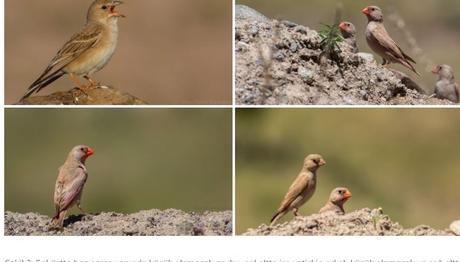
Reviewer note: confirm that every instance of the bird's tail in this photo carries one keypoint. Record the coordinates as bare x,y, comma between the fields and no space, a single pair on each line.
410,66
276,217
41,83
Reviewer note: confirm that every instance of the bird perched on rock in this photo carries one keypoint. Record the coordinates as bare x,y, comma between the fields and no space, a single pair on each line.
87,51
380,41
70,182
336,200
446,88
302,188
348,31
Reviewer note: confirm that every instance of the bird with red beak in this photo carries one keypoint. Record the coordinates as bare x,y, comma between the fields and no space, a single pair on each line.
69,184
380,41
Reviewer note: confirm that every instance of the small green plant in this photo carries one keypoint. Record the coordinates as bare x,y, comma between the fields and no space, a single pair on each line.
330,39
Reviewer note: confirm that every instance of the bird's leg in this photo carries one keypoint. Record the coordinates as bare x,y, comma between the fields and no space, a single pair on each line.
91,81
80,87
81,209
296,212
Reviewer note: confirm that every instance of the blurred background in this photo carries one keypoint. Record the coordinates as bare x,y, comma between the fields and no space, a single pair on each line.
403,160
143,158
427,30
169,52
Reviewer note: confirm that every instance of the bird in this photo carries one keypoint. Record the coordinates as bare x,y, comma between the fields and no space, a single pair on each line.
337,198
348,31
380,41
87,51
70,182
446,88
302,189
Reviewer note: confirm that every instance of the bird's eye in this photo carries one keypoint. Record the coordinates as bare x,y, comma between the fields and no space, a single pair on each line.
372,9
104,7
340,192
82,149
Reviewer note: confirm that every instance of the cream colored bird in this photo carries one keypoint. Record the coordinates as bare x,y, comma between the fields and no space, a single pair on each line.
302,189
337,199
70,182
380,41
87,51
446,88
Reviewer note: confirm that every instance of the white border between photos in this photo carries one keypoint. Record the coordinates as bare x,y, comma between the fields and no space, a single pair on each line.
222,249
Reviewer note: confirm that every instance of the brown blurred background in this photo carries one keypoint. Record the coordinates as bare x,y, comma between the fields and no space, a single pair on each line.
170,51
432,25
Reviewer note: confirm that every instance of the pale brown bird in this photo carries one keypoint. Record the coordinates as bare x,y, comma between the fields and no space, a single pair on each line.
302,189
380,41
446,88
70,182
87,51
336,200
348,31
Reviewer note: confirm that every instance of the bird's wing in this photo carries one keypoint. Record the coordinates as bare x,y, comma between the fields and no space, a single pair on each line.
299,184
78,44
71,189
383,38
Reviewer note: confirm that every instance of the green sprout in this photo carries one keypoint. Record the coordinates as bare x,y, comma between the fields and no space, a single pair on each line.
330,39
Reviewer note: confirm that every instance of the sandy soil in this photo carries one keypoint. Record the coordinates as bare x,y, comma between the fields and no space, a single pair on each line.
153,222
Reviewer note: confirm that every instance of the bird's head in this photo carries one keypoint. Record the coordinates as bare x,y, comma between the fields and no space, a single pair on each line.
347,29
81,153
373,13
103,11
340,195
443,72
313,162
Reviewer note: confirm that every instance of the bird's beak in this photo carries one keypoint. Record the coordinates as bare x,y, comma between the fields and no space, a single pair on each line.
365,11
347,194
113,12
342,26
322,162
90,151
435,70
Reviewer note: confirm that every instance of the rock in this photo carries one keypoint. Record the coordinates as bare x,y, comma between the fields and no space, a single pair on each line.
364,222
153,222
368,58
351,79
245,12
101,95
455,227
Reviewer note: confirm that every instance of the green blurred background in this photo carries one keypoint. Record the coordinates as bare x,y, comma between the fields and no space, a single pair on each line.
144,158
433,26
403,160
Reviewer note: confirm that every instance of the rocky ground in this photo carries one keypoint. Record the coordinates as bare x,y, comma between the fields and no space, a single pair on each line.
153,222
364,222
278,63
102,95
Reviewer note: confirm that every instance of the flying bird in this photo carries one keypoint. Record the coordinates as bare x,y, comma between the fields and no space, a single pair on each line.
380,41
70,182
302,189
87,52
337,199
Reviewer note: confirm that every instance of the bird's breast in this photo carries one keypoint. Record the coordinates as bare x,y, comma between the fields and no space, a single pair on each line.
95,58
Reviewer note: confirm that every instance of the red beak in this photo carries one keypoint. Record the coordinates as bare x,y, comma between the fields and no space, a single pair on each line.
347,195
89,151
365,11
342,26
